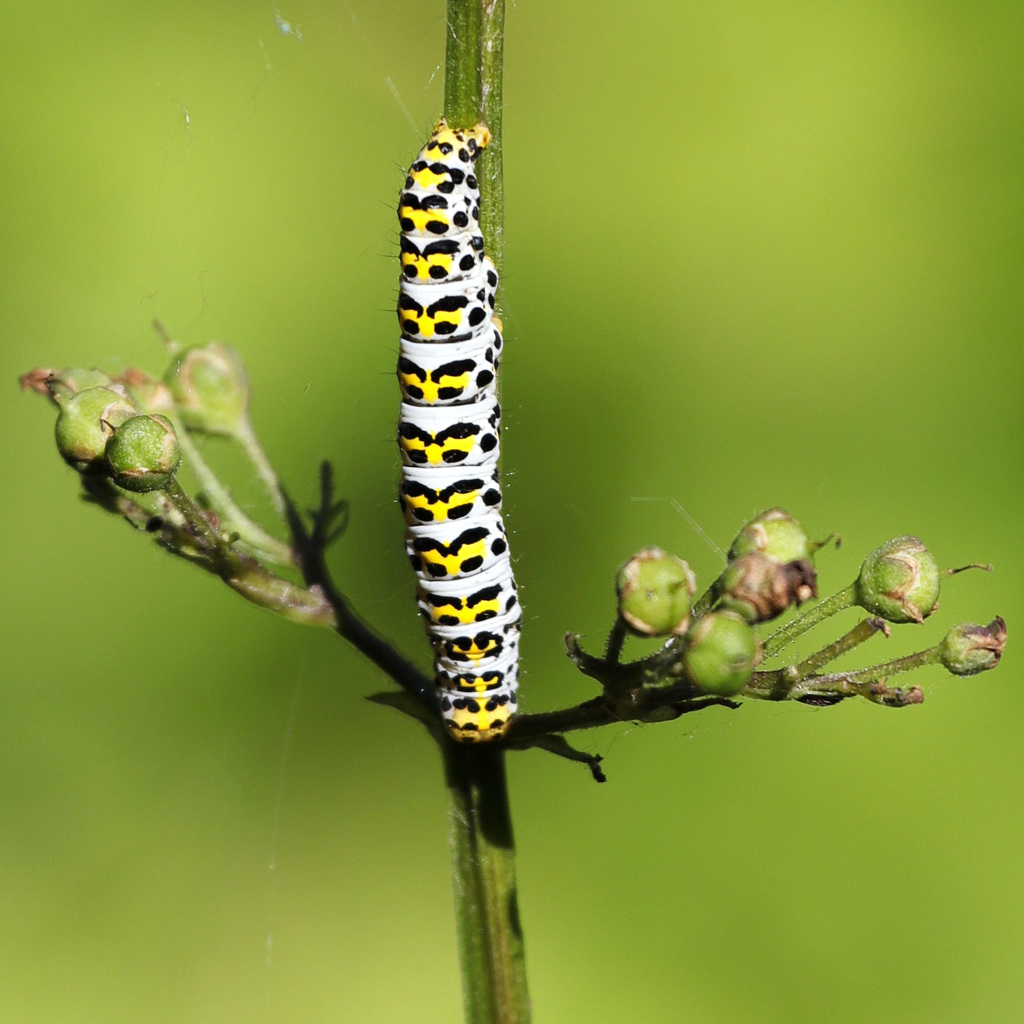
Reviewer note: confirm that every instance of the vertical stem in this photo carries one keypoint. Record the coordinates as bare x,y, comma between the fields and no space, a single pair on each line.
483,876
462,86
480,826
473,92
489,172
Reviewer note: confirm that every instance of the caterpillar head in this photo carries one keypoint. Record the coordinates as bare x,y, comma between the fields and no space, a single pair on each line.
466,143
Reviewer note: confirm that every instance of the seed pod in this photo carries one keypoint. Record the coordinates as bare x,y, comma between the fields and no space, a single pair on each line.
85,423
60,385
151,393
655,590
775,534
968,649
210,388
759,588
722,651
143,453
899,581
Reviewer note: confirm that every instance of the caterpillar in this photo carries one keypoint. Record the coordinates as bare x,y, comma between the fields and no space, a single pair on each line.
449,438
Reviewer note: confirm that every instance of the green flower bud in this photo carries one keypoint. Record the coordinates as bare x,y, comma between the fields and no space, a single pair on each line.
655,590
899,581
968,649
774,533
210,388
722,651
758,588
85,423
143,454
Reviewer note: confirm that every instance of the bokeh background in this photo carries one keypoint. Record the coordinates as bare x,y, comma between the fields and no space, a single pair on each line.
757,255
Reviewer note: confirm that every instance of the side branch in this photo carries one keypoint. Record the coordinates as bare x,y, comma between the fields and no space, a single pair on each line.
328,521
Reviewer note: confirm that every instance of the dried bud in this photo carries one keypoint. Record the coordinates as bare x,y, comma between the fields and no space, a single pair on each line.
775,534
143,454
86,421
722,651
968,648
655,590
60,385
38,380
151,394
899,581
759,588
210,388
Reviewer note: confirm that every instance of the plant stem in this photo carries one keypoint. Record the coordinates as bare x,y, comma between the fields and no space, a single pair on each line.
479,823
490,170
311,546
864,630
785,635
193,516
250,443
472,93
483,878
232,519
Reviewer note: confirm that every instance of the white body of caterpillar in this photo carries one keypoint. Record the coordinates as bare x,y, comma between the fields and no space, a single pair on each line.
448,435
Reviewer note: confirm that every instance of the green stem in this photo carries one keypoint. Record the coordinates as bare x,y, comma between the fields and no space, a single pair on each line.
616,639
479,823
232,518
787,684
785,635
864,630
707,600
483,877
250,443
490,169
473,92
861,679
267,590
193,516
243,573
462,87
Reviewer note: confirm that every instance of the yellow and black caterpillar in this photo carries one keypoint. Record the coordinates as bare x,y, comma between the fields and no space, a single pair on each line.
448,435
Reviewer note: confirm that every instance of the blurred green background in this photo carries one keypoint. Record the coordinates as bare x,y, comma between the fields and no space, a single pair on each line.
757,254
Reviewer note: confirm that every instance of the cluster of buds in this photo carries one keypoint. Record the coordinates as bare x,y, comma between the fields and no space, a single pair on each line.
714,647
103,431
125,428
769,570
128,435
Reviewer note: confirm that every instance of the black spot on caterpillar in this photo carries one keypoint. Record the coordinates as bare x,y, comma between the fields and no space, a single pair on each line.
448,436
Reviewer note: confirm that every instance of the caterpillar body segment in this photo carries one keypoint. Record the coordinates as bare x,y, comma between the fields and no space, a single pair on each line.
441,259
436,494
453,549
458,309
480,645
465,435
468,600
447,374
478,704
449,438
